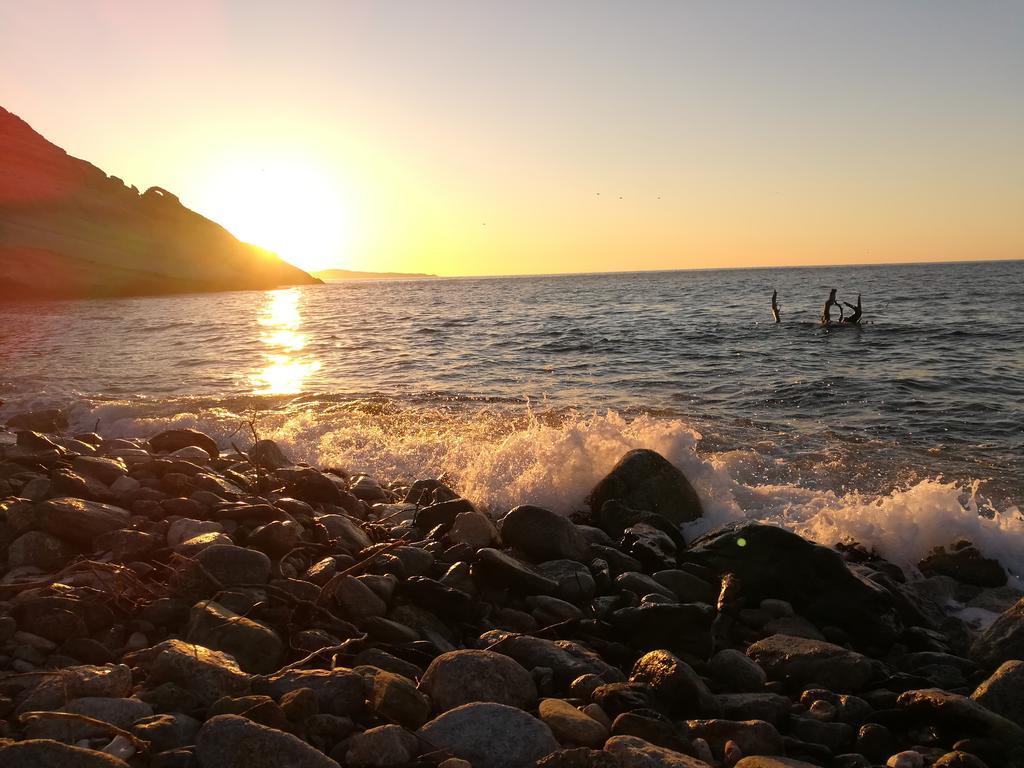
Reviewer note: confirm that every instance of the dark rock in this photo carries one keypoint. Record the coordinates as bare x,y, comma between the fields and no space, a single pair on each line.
275,539
462,677
204,672
959,759
734,672
268,454
44,753
754,737
645,480
395,698
229,741
542,534
965,564
255,646
960,714
339,691
675,685
798,661
445,601
578,757
490,735
653,547
570,725
876,742
79,520
54,691
836,736
632,752
1003,640
1003,691
771,562
103,469
575,583
506,571
49,420
38,549
654,727
443,513
169,731
680,628
770,707
381,747
687,587
260,709
171,440
617,698
567,659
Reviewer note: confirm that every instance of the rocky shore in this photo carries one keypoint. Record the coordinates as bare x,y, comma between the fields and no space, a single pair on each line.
168,603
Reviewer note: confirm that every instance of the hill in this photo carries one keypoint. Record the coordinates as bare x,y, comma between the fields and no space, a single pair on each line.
68,230
329,275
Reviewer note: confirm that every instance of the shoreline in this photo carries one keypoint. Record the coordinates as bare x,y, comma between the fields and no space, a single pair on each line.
194,599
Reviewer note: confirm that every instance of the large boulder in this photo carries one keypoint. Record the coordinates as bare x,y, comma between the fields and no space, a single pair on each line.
797,661
78,520
1003,691
960,716
771,562
645,480
490,735
461,677
47,420
206,673
542,534
1003,640
965,563
230,741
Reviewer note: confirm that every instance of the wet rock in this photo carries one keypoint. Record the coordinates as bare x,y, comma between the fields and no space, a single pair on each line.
958,759
652,546
49,420
382,747
798,661
490,735
568,660
105,470
229,741
1003,691
674,683
255,646
964,563
126,545
570,726
542,534
171,440
735,672
474,529
632,752
645,480
687,587
683,628
43,753
465,676
770,562
349,535
1003,640
206,673
268,454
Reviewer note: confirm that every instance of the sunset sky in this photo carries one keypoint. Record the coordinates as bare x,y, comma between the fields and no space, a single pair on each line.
467,138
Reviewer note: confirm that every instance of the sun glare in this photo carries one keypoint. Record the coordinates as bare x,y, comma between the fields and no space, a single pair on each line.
288,205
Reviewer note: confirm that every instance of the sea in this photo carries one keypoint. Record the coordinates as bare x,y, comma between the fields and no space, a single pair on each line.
903,433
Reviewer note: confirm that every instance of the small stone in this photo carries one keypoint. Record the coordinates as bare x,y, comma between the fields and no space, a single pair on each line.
570,726
632,752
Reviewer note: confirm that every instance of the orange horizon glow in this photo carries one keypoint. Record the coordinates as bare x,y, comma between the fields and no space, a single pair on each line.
466,139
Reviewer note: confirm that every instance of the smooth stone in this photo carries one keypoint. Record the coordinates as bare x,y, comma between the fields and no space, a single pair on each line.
645,480
339,691
568,660
576,584
358,600
1003,691
167,731
543,534
754,737
171,440
466,676
632,752
207,673
799,661
255,646
687,587
770,707
1003,640
44,753
395,698
490,735
230,741
506,570
474,529
735,672
382,747
86,681
38,549
674,683
571,726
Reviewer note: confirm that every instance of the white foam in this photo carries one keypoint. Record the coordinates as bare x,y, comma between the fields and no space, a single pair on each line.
503,457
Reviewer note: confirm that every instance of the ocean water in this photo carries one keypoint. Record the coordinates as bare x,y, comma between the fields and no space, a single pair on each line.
904,433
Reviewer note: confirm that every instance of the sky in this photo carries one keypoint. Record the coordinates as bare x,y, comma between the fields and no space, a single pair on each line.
475,138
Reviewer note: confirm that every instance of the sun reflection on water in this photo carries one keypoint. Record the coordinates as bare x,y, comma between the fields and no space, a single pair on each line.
285,371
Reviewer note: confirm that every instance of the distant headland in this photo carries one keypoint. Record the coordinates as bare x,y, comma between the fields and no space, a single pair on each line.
68,230
334,275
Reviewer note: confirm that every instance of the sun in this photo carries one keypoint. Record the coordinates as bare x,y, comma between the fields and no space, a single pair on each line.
286,203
